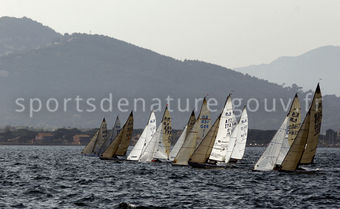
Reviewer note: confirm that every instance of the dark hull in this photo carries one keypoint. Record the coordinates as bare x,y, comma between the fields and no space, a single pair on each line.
206,165
233,160
115,159
177,165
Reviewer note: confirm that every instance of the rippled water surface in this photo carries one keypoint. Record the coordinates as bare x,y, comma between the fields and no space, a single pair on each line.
59,177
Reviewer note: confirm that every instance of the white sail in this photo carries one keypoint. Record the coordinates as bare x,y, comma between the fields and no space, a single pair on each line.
241,138
150,148
231,144
269,157
219,150
178,144
160,151
234,121
144,139
284,150
292,159
181,139
294,122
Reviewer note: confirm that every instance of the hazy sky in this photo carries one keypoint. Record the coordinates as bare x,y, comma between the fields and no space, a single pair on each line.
229,33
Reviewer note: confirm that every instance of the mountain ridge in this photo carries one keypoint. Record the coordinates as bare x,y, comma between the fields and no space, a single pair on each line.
24,34
320,63
96,65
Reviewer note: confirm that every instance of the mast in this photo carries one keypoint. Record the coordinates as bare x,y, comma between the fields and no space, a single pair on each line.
182,138
203,151
163,146
89,147
294,122
241,136
268,158
109,140
150,148
293,157
99,135
219,150
144,139
279,146
121,143
314,128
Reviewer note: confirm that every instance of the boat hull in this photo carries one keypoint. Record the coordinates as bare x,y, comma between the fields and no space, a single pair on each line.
114,158
207,165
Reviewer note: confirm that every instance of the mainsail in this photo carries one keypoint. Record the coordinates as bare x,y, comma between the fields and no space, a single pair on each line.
109,140
292,159
159,145
219,150
314,128
194,136
165,143
203,151
294,122
241,136
150,148
144,139
100,135
280,144
181,139
121,143
268,159
88,149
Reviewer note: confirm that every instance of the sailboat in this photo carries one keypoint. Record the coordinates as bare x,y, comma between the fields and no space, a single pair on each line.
223,143
183,136
109,140
240,134
201,155
221,130
282,140
144,139
120,144
101,135
194,136
314,128
158,148
303,148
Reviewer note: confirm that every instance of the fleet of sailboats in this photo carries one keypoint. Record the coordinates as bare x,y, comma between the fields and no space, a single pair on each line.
222,138
206,145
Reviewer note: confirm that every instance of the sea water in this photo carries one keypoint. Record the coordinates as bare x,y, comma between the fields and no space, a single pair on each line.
59,177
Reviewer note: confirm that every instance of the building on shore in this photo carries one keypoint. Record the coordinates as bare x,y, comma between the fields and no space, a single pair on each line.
43,138
81,139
